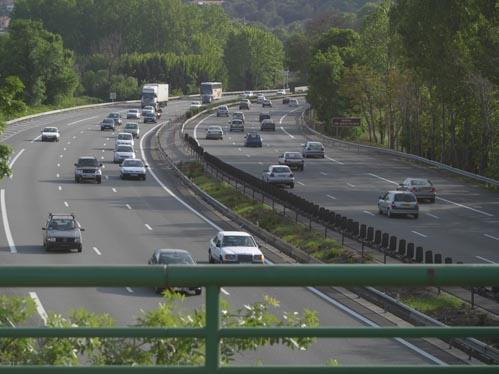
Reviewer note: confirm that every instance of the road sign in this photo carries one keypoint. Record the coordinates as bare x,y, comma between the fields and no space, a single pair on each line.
346,122
112,95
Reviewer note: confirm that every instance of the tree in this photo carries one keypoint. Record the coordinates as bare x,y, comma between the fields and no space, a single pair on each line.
144,351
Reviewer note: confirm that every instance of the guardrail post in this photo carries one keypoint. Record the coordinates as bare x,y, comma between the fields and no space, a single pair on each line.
377,238
370,234
212,328
448,260
438,258
384,240
419,255
392,247
363,231
401,250
428,257
410,251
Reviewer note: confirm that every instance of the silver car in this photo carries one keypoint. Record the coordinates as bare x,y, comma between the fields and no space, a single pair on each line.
132,128
313,149
422,188
398,202
214,132
279,175
123,152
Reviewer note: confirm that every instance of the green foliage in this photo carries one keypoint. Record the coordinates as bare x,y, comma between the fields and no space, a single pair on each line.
16,312
428,303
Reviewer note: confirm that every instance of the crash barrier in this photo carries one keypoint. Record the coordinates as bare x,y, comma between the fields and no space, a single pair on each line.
214,277
407,251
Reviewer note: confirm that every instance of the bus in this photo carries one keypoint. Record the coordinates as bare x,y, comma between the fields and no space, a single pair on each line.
212,89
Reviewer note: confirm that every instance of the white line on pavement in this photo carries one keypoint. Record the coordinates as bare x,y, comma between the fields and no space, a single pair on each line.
66,204
106,176
57,175
491,236
239,149
418,233
81,120
248,155
39,307
331,197
129,289
61,156
485,259
128,206
350,185
287,133
332,159
11,163
6,226
300,183
96,251
323,173
148,227
431,215
35,139
370,213
59,188
260,163
114,189
383,179
65,149
224,291
58,165
196,127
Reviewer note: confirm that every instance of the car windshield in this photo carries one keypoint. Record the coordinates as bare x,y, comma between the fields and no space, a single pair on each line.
49,129
114,115
420,182
131,126
124,148
87,162
175,258
238,241
253,136
213,128
61,224
314,145
293,155
108,120
280,170
133,163
125,136
404,197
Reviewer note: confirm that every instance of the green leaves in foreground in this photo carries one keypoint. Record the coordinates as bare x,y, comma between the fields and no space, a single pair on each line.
16,312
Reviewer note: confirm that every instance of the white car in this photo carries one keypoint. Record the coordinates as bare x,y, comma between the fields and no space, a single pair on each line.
195,105
214,132
122,152
294,102
132,128
50,134
133,114
124,138
234,247
260,98
281,92
133,168
148,109
313,149
246,95
279,174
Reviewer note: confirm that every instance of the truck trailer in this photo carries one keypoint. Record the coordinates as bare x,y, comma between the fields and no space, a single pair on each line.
155,94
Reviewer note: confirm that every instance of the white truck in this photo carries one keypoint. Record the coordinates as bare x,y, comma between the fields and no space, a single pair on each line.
155,94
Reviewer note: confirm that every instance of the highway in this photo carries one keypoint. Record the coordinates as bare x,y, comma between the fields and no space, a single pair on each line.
462,224
125,221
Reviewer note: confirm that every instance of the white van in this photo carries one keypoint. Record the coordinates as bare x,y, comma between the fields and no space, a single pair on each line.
293,102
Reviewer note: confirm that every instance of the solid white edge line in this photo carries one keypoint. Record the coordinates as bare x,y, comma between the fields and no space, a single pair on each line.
96,250
486,260
35,139
368,322
491,236
39,307
195,127
418,233
368,212
170,192
11,163
6,226
287,133
332,159
81,120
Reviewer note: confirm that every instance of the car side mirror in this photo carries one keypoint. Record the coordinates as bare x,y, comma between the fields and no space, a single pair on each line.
303,145
82,229
381,197
76,164
401,184
218,245
146,166
100,165
44,228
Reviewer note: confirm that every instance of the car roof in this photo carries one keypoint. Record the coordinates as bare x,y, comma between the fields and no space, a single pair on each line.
133,110
172,250
279,166
292,152
87,157
239,233
125,133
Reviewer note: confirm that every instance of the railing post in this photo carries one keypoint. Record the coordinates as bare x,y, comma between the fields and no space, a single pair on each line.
212,328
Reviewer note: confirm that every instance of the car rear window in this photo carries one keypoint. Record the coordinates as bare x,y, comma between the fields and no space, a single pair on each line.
404,197
280,170
293,155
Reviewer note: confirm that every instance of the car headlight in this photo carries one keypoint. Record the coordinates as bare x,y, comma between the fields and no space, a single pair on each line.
77,240
51,239
78,171
258,258
230,257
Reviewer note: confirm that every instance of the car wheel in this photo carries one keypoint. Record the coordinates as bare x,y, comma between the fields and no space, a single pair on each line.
220,260
144,177
77,179
99,180
210,258
416,216
292,185
432,201
79,249
122,176
380,211
323,156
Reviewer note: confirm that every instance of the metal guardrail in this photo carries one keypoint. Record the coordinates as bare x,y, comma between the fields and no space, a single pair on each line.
213,277
406,156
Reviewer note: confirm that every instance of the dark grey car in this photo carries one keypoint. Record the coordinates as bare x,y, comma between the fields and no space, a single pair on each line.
422,188
398,203
62,232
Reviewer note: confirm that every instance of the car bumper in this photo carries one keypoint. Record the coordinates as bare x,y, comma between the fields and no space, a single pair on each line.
214,136
49,138
153,120
313,154
425,195
133,175
404,211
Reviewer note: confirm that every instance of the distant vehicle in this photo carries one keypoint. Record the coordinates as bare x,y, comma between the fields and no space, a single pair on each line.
150,117
236,125
133,168
116,117
294,102
422,188
214,132
279,175
293,160
285,100
62,232
195,105
132,128
207,99
246,95
88,168
253,139
267,103
245,104
234,247
313,149
174,257
148,109
155,95
50,134
239,115
124,138
264,115
213,89
260,98
398,203
267,124
122,152
107,124
281,92
223,111
133,114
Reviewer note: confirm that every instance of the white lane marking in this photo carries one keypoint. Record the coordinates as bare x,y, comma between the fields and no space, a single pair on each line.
431,215
350,185
60,188
81,120
58,165
287,133
466,207
57,175
239,149
323,173
276,150
35,139
106,176
148,227
170,192
69,143
128,206
331,197
129,289
332,159
6,226
104,144
248,155
74,137
82,132
373,324
103,151
418,233
104,166
233,143
368,212
114,189
97,251
61,156
196,127
300,183
485,259
491,236
102,157
65,149
39,307
260,163
440,198
11,163
66,204
224,291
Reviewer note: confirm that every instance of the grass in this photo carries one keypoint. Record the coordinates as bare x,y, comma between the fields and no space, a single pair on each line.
310,241
433,303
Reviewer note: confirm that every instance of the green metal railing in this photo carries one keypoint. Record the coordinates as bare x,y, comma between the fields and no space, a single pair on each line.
213,277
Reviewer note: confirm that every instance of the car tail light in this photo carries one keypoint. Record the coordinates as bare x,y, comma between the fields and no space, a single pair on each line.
433,189
308,148
414,189
291,175
271,174
322,148
394,205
